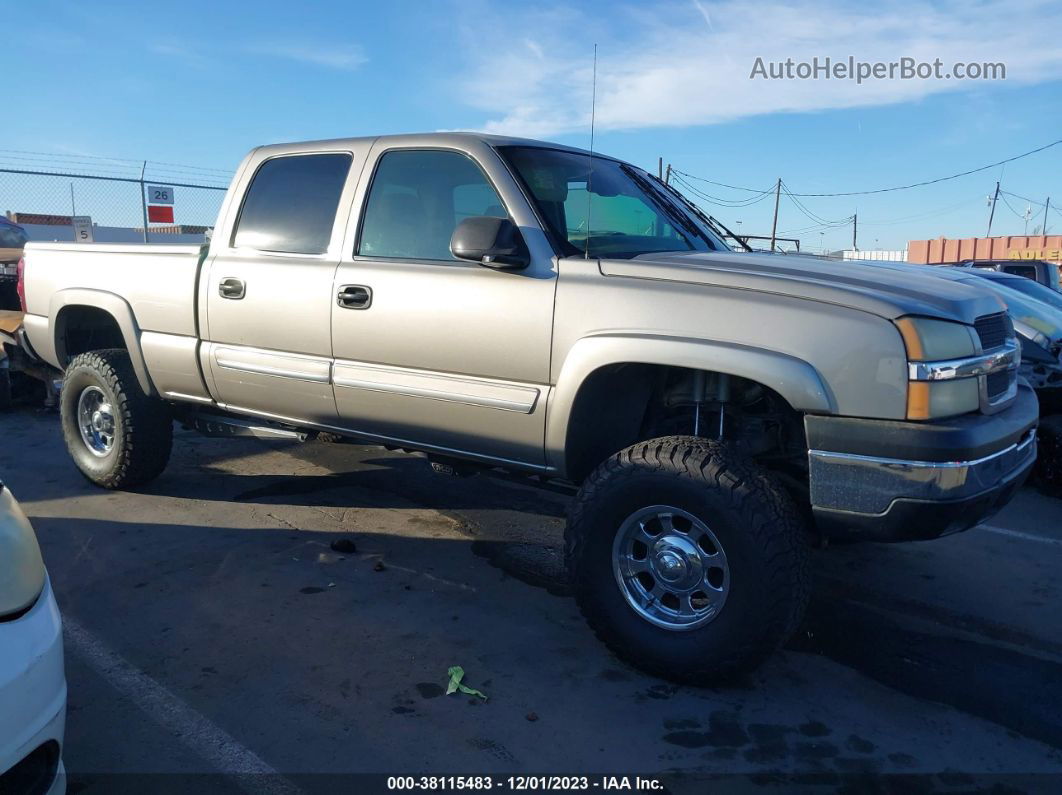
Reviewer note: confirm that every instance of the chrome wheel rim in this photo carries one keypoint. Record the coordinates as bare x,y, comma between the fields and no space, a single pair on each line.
95,421
670,567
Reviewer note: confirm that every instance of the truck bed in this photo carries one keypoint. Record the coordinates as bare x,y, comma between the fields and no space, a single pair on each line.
148,291
160,303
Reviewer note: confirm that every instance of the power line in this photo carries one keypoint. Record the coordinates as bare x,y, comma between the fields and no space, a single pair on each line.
930,214
720,184
896,187
1021,216
720,201
113,160
810,229
1025,198
812,216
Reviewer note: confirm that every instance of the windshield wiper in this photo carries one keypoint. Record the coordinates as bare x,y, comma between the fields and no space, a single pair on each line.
710,221
669,209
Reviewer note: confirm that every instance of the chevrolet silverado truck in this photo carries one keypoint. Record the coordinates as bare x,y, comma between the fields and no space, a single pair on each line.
494,302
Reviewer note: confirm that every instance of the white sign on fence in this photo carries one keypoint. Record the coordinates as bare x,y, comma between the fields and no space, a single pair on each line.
82,228
160,194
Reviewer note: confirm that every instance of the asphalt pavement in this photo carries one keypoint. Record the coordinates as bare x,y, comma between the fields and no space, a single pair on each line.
211,627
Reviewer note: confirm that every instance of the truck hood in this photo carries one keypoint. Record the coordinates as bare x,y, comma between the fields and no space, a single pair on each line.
888,290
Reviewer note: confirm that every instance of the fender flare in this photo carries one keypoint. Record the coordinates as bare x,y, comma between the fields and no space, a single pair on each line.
798,382
114,305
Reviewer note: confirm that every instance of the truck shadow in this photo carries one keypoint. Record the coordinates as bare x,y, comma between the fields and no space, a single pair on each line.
1002,676
365,637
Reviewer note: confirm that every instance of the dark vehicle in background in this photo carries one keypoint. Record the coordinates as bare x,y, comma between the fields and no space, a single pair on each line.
1023,284
12,240
1036,312
1037,315
1045,273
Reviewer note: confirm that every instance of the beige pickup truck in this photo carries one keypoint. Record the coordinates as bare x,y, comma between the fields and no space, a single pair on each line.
503,303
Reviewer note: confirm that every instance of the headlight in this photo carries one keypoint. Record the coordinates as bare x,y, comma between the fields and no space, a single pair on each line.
928,340
929,400
21,567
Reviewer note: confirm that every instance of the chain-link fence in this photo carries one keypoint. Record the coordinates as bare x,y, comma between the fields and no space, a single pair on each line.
128,201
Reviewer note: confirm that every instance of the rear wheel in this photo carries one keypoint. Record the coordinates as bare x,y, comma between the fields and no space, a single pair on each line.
688,560
118,436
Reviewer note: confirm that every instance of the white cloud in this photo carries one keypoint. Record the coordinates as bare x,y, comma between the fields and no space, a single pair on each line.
331,56
176,49
689,63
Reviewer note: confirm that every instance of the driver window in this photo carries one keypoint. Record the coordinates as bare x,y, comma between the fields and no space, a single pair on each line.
416,200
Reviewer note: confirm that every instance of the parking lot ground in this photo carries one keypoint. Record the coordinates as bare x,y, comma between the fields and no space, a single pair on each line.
212,628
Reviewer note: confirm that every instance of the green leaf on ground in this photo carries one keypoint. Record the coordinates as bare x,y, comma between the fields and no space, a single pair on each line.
457,673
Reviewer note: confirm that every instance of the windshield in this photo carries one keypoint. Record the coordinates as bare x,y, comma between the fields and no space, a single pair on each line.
1034,290
1029,311
622,215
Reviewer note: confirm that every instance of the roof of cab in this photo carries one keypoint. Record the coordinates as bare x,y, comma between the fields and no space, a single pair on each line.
421,139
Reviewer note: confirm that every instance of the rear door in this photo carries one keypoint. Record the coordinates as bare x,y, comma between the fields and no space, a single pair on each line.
441,353
269,288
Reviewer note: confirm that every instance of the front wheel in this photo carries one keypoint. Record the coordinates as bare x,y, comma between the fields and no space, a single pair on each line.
118,436
688,560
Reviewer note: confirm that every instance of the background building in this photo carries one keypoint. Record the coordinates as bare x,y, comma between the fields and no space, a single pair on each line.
1045,247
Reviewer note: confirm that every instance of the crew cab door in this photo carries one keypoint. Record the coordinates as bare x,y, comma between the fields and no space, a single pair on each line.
438,352
269,288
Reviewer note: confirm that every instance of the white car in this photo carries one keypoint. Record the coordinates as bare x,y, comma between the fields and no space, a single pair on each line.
32,675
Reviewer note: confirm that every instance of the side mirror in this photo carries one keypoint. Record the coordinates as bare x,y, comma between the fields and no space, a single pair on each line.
492,242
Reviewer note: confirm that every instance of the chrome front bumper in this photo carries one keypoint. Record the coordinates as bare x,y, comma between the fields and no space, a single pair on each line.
896,481
867,484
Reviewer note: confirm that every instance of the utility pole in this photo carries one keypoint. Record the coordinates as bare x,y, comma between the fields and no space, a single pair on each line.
660,169
143,203
1046,208
1028,215
774,224
992,213
855,229
667,176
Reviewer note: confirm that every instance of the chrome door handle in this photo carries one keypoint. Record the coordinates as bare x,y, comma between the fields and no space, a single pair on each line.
232,288
354,296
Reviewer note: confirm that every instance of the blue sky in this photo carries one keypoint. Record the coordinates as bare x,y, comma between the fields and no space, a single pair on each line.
201,83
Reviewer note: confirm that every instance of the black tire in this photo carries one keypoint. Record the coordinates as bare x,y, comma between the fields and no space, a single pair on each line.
755,522
142,425
1048,468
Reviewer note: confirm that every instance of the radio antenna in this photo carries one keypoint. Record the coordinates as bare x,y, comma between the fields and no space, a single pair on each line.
590,172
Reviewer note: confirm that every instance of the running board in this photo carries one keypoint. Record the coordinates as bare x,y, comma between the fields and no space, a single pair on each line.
218,425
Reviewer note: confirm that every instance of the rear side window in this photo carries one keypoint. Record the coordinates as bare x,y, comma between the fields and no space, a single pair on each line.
417,199
1028,271
291,204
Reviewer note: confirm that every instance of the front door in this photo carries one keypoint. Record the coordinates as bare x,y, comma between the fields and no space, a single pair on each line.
269,291
431,350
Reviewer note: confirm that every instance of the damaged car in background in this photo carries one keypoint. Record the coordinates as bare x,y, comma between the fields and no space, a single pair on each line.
1036,312
1039,323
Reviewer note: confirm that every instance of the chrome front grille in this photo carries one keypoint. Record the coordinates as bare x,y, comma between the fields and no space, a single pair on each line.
998,383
